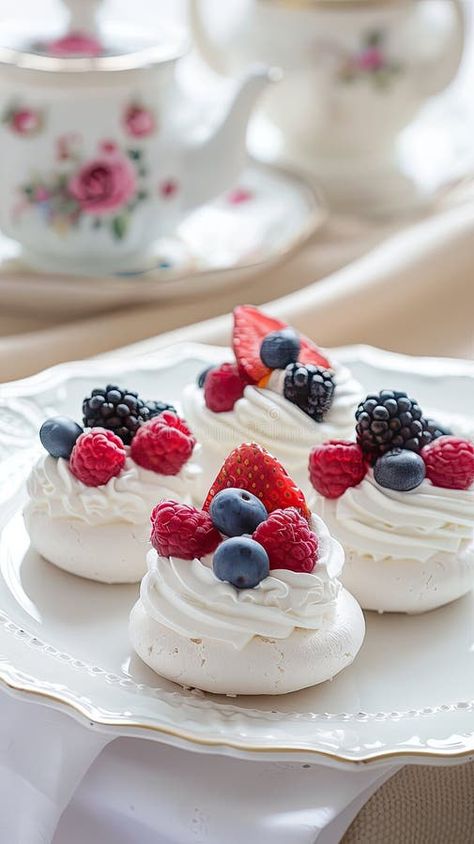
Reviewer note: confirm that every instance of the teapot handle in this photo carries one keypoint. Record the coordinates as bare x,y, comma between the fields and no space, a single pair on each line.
436,80
214,57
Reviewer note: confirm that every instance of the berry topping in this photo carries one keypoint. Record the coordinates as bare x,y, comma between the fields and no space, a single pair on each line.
279,348
399,469
201,379
435,429
236,511
449,462
288,540
164,444
241,561
155,408
223,386
388,420
121,411
251,467
335,466
251,327
97,456
310,388
178,530
58,436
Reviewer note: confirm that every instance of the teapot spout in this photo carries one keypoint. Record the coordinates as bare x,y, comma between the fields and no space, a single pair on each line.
215,163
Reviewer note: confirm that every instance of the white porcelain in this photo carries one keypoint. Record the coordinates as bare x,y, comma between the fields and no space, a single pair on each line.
409,696
101,156
355,74
254,225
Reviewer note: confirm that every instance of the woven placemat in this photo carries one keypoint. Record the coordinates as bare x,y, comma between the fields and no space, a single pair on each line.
419,805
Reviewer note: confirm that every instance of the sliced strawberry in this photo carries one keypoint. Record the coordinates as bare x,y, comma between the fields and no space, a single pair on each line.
251,326
251,467
310,353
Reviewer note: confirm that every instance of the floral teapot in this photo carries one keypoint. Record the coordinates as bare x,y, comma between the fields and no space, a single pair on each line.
356,72
100,152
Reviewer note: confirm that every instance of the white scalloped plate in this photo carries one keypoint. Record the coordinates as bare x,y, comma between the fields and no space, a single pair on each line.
409,695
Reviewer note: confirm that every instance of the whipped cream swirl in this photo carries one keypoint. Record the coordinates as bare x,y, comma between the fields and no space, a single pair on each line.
130,497
266,416
187,597
382,523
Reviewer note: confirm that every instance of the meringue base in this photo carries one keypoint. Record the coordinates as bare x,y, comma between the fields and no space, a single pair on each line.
408,586
264,666
110,553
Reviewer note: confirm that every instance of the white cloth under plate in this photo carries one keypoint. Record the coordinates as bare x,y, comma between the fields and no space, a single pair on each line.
141,792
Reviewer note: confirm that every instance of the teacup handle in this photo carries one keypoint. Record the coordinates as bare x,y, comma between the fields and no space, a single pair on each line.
83,15
214,57
437,79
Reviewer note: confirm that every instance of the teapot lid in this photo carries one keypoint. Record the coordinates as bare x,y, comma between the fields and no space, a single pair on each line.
120,48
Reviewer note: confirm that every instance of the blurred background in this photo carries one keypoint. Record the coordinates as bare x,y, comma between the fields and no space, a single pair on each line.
361,152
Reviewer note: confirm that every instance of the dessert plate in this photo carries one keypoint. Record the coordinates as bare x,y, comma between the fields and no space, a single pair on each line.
63,640
256,224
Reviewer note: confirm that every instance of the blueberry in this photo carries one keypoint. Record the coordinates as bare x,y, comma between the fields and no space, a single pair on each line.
399,469
236,511
202,376
280,348
241,561
58,436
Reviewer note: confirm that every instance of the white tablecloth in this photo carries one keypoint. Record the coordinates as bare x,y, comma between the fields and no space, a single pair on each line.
142,792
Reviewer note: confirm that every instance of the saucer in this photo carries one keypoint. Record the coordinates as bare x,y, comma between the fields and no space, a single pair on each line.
254,225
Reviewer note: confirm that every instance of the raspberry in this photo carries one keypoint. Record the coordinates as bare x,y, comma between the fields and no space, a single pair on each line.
288,540
223,386
449,462
335,466
179,530
163,444
251,327
251,467
97,456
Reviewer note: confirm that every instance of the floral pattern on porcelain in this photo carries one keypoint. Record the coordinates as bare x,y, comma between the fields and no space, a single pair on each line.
139,121
105,188
73,44
23,120
370,62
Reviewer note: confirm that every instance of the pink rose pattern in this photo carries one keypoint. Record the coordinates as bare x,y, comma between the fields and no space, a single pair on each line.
139,122
104,190
370,62
22,120
74,44
104,184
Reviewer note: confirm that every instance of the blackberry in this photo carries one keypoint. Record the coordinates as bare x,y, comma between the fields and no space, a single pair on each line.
388,420
435,429
310,387
157,407
120,411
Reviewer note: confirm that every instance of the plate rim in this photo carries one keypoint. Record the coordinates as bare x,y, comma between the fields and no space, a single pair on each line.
143,358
